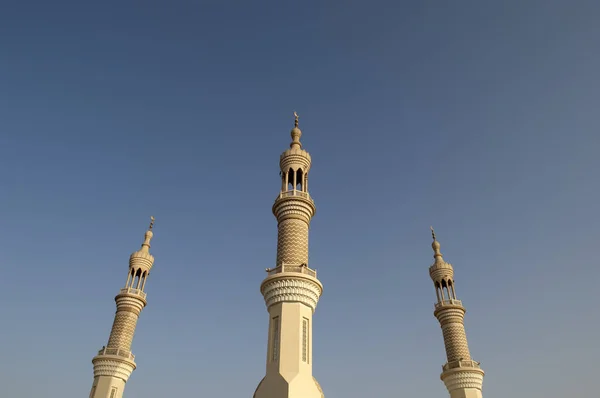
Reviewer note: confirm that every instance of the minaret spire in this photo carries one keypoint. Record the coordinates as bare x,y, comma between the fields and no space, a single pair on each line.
435,245
291,289
462,376
114,363
296,133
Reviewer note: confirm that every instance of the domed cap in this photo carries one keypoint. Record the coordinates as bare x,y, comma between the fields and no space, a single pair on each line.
435,245
439,267
295,157
142,258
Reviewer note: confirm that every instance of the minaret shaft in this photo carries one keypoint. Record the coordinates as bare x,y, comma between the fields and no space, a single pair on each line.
291,290
455,337
290,339
114,363
129,307
292,242
462,375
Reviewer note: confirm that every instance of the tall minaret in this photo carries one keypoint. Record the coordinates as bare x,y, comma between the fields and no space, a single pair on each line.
462,376
291,290
115,362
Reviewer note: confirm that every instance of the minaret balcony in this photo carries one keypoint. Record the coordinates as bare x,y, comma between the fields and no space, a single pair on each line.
137,292
444,303
117,352
301,269
294,192
461,364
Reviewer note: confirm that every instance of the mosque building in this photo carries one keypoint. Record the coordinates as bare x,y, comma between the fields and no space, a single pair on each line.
291,291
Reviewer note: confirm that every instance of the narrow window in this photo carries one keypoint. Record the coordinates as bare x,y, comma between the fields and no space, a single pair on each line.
113,392
275,349
305,340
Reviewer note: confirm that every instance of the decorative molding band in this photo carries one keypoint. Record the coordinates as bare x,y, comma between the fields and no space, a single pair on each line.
113,367
437,272
291,288
294,207
131,302
457,379
450,314
141,260
291,159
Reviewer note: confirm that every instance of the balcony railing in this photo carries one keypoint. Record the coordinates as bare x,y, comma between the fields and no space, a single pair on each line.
294,192
461,364
302,269
116,351
130,290
448,302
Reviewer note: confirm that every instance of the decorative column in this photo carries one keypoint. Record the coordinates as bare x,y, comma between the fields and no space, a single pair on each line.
462,375
114,363
291,290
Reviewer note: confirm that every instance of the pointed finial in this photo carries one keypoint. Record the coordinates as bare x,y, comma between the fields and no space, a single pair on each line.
142,258
148,236
435,246
296,133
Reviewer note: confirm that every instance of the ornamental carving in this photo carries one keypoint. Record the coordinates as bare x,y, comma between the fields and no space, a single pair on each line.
123,330
294,207
292,242
463,379
113,368
447,314
291,290
130,301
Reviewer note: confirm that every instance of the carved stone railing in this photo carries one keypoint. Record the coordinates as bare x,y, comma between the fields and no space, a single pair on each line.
448,302
302,269
302,194
130,290
116,351
461,364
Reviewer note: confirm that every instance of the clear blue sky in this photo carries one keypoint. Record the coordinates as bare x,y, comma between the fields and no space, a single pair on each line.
480,118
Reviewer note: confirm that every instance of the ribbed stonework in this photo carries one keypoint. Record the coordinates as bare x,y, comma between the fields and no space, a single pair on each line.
462,376
291,290
114,363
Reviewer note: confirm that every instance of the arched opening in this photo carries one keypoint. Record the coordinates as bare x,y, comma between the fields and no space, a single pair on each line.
299,179
451,287
136,279
144,276
294,180
445,292
290,180
129,278
438,292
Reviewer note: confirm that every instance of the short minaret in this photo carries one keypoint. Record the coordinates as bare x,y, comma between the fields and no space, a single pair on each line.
115,362
462,376
291,290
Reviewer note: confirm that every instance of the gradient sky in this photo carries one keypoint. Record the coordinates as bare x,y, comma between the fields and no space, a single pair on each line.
479,118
